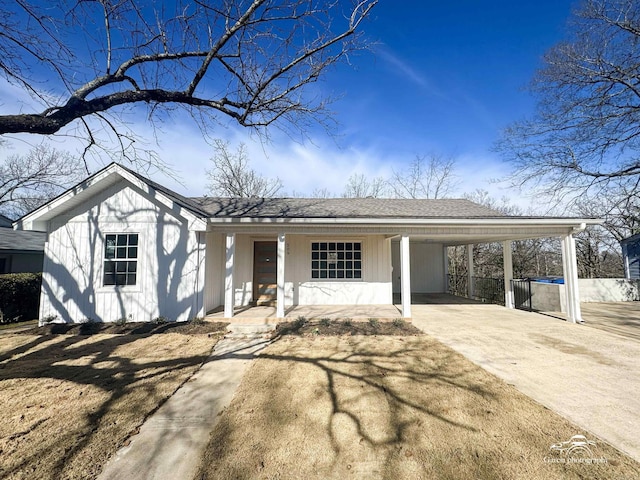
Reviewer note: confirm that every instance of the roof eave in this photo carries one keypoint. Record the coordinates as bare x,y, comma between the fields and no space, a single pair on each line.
496,221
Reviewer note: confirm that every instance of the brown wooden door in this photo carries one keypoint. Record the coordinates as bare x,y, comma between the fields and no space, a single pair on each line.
265,271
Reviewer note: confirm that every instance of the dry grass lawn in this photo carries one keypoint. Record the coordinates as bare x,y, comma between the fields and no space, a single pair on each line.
69,401
388,407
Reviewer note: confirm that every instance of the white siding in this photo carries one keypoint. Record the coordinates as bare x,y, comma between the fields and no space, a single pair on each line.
300,289
214,277
374,288
427,267
170,278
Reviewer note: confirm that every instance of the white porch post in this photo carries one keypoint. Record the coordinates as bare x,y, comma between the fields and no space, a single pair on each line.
508,274
405,276
228,277
445,267
280,276
570,271
470,289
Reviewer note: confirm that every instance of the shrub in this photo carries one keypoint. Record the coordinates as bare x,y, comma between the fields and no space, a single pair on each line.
398,322
160,320
348,322
49,319
325,322
300,322
197,321
124,319
374,322
19,296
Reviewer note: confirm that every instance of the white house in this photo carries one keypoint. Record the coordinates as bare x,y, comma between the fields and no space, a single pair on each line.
119,245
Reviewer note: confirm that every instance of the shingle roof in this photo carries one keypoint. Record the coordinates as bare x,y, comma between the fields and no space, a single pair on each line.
22,240
187,203
343,208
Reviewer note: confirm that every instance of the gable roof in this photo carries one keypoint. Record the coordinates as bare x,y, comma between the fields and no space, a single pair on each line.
183,201
109,175
343,208
306,211
22,240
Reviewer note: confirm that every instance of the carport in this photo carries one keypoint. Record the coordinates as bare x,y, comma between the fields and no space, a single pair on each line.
419,255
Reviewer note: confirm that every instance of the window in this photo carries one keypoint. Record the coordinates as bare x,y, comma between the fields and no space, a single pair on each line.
120,259
336,260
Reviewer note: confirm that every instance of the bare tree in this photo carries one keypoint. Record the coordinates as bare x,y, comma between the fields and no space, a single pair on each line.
315,193
585,135
232,175
431,176
359,186
28,181
250,61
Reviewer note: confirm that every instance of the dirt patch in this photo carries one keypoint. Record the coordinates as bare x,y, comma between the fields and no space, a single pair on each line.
70,401
389,407
330,327
132,328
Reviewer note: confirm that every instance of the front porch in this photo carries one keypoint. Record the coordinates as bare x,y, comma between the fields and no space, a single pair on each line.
256,315
384,313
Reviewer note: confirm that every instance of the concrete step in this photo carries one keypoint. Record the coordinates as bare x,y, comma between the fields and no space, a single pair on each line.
244,329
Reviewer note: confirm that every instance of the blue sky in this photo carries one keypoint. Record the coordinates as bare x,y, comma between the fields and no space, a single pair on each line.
442,77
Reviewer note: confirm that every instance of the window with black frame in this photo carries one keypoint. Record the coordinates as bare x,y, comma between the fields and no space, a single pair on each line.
336,260
120,259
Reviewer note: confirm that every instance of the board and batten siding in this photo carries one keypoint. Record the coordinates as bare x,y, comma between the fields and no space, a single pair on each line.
214,271
300,289
171,261
427,267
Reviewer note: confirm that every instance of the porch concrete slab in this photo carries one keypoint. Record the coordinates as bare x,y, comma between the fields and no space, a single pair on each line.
265,314
587,375
172,440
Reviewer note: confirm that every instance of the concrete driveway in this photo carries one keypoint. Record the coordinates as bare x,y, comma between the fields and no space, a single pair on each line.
589,375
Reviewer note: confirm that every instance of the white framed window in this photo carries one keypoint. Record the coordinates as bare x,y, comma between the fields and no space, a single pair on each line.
336,260
120,259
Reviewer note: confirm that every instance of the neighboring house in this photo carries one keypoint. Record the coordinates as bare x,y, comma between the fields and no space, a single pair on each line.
119,244
20,251
631,257
5,221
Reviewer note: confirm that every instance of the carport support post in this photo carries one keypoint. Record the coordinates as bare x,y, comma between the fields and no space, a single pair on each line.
508,274
228,277
570,271
280,276
470,289
445,267
405,276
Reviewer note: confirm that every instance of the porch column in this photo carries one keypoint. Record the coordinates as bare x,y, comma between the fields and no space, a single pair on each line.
228,277
280,276
445,267
508,274
570,273
470,289
405,276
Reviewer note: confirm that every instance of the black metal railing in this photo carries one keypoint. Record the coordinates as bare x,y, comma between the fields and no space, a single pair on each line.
488,290
522,294
491,290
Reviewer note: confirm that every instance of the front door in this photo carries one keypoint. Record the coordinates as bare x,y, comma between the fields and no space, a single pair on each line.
265,271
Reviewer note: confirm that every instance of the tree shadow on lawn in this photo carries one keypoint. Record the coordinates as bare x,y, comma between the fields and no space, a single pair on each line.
95,367
376,407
